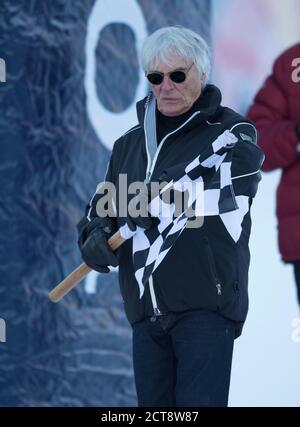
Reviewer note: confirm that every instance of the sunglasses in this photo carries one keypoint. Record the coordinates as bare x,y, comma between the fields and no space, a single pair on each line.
177,76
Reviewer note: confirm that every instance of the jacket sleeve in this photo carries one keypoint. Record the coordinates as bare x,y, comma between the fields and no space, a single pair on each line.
92,210
92,217
270,113
247,159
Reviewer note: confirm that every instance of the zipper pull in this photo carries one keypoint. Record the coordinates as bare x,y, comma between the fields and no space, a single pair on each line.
147,179
219,290
157,313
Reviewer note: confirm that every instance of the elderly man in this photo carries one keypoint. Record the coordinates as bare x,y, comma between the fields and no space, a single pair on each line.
195,303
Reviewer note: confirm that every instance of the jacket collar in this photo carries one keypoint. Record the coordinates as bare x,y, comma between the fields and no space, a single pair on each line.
207,104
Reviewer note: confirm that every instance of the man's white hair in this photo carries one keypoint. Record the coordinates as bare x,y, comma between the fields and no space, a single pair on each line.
181,41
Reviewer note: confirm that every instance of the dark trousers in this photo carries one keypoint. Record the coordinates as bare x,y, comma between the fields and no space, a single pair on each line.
297,278
183,359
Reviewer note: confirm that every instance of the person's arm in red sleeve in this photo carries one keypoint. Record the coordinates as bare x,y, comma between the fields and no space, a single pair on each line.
277,134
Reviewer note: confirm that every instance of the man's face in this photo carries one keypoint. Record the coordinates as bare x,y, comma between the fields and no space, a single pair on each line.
173,98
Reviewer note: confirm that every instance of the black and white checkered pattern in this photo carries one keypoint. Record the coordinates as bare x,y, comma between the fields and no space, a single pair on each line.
208,181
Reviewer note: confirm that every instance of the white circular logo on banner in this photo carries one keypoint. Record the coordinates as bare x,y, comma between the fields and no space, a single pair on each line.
108,125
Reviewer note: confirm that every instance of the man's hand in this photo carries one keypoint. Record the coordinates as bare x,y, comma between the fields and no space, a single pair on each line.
92,242
96,252
138,214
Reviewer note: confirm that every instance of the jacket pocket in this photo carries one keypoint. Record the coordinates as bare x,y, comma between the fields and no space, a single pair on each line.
213,271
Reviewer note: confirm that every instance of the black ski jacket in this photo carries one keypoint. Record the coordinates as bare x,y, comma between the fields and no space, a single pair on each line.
207,267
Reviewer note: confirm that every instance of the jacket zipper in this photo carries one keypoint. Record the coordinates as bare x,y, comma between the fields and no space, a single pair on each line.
151,165
149,171
156,310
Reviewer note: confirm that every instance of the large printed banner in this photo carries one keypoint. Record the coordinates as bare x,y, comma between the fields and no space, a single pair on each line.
73,77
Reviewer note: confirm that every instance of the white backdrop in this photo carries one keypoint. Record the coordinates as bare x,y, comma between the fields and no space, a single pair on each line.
265,369
247,36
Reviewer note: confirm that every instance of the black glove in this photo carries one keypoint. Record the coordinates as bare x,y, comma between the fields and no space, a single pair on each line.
95,251
138,214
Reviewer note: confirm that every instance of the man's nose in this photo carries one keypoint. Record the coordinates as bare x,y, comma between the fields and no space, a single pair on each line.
167,83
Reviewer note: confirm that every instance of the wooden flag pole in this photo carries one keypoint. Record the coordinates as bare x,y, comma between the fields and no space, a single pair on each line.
80,272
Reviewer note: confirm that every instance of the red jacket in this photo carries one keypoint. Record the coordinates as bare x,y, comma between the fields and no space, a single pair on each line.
276,114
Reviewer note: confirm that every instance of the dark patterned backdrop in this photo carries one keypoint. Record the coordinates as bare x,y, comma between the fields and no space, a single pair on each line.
77,352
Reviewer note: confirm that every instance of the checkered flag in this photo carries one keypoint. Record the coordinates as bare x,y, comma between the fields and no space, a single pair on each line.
207,181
